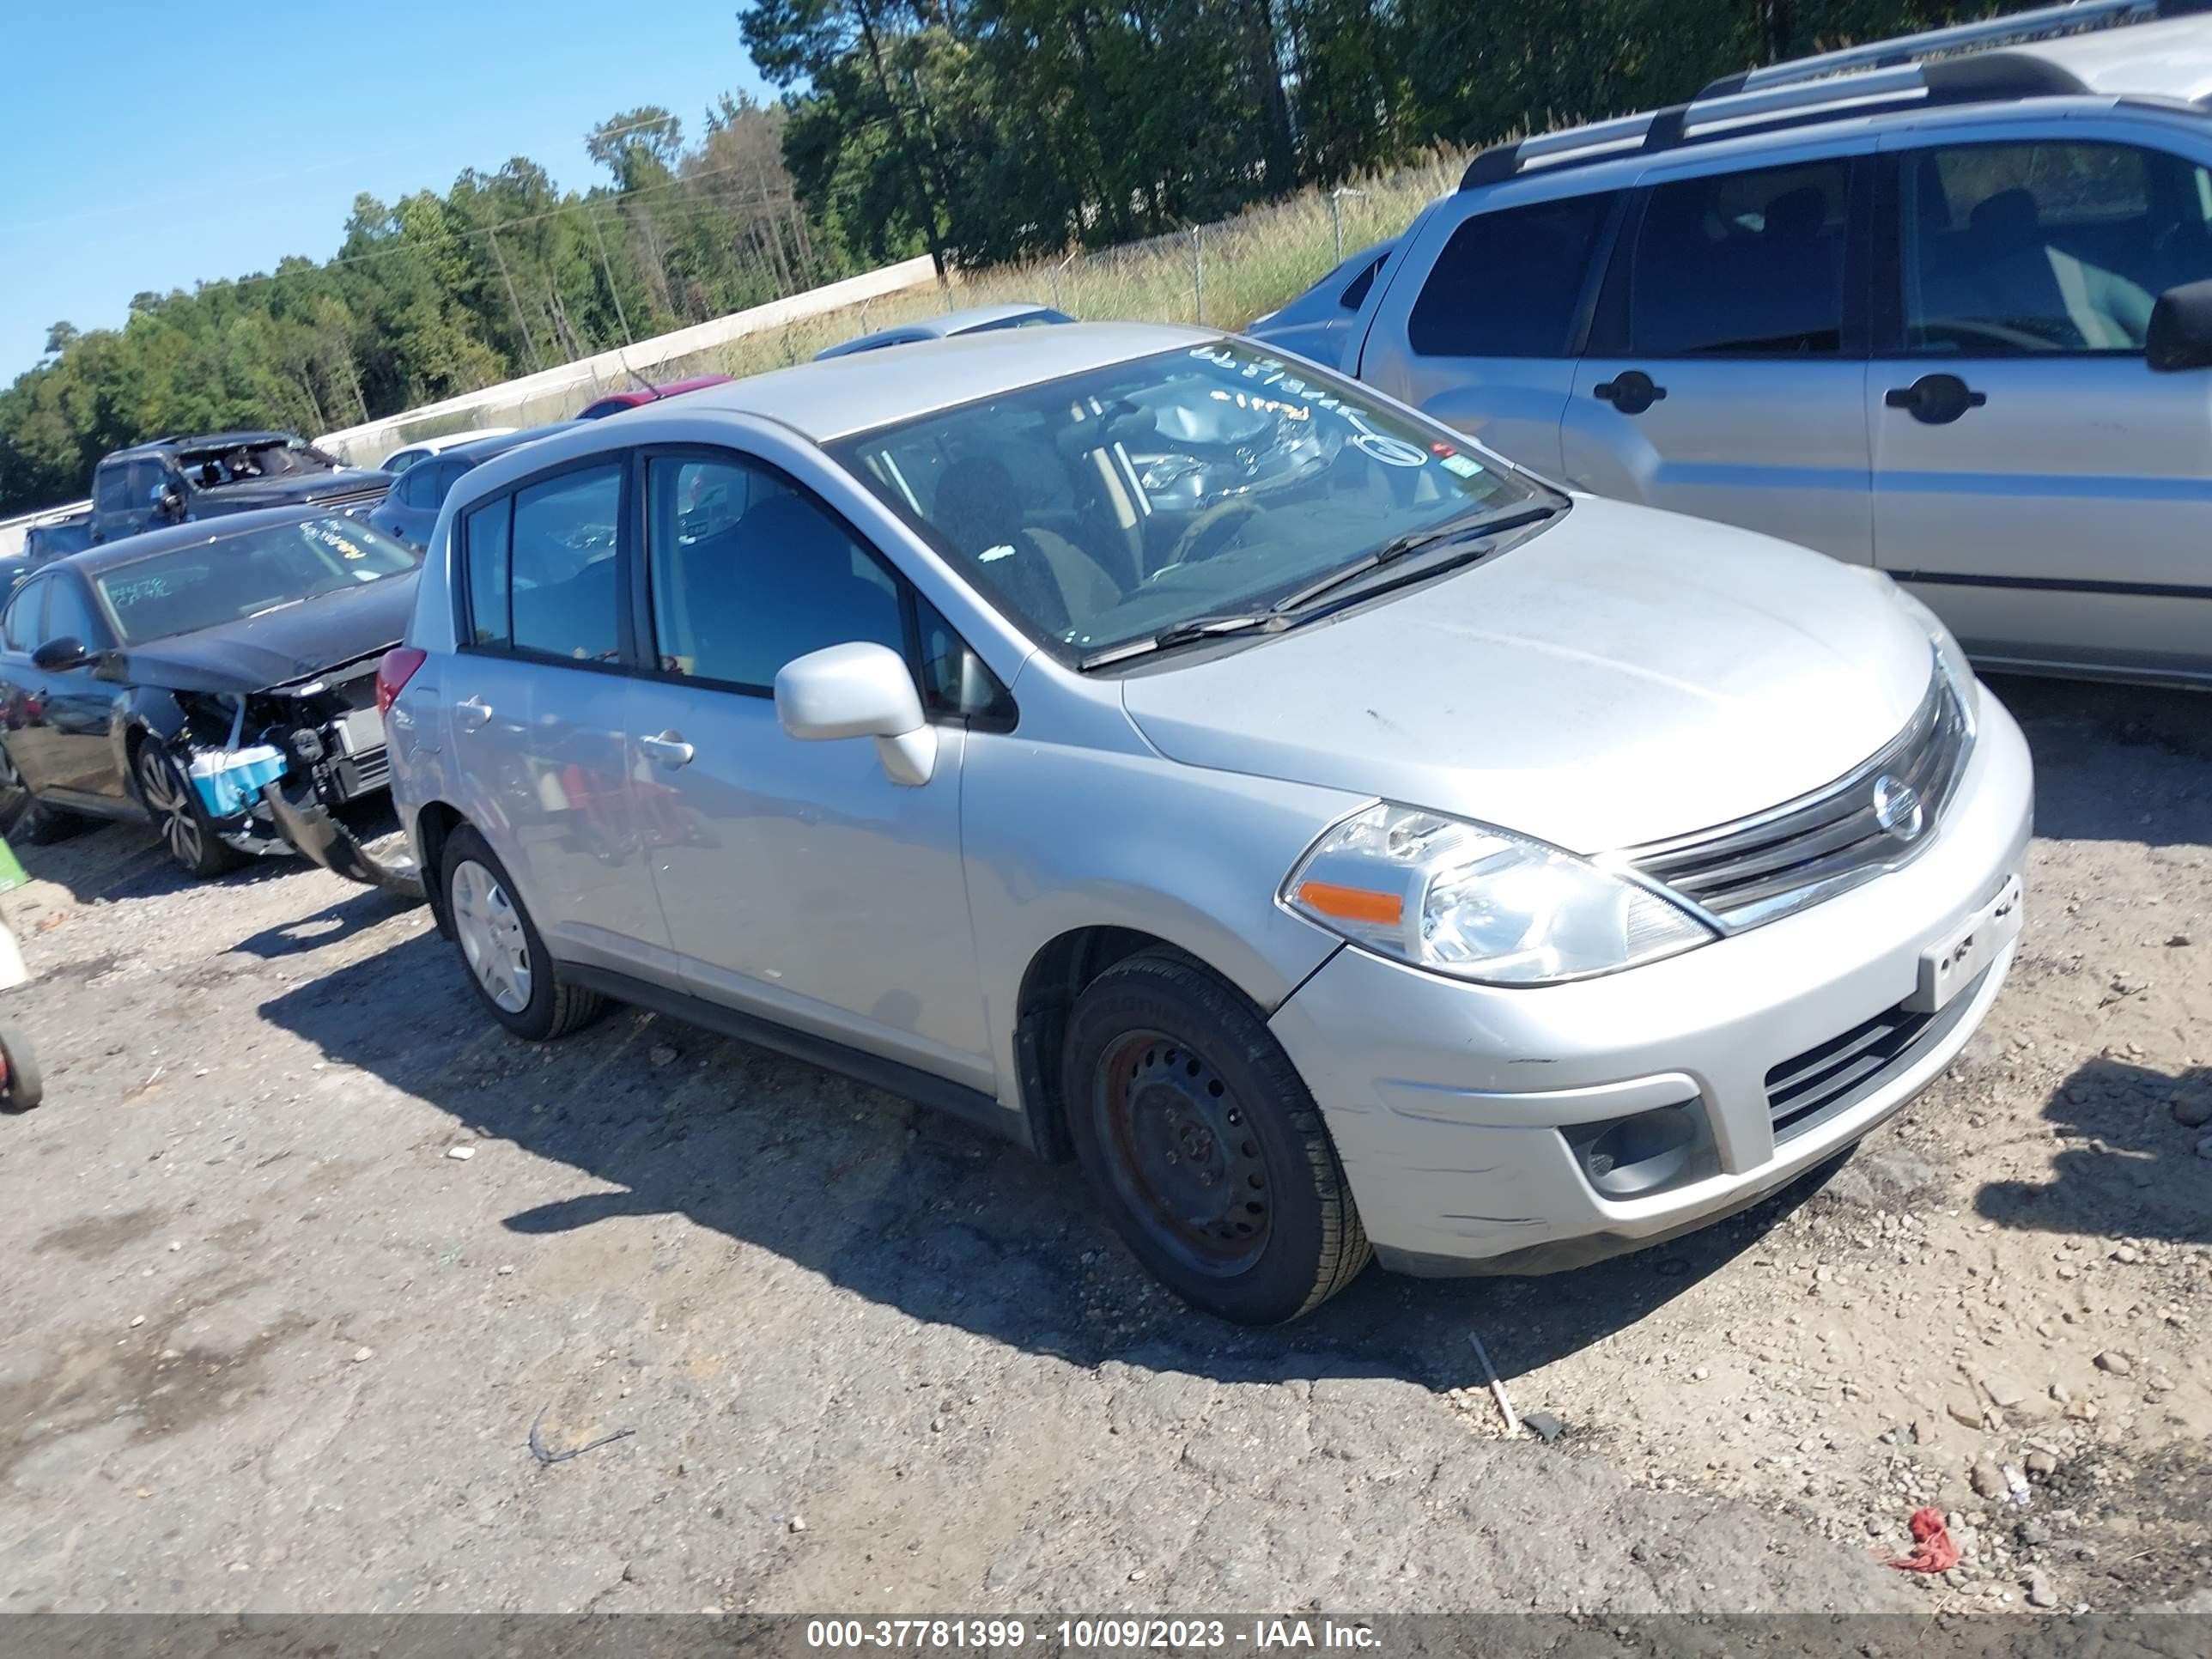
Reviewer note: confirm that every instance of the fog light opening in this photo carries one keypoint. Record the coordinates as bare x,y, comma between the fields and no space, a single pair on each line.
1629,1156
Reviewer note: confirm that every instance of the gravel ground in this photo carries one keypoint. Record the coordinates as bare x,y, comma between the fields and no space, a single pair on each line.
269,1342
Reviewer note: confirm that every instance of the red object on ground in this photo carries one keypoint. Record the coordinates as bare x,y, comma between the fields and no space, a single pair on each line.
1932,1548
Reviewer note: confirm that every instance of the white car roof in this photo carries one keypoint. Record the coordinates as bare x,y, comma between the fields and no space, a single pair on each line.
2171,59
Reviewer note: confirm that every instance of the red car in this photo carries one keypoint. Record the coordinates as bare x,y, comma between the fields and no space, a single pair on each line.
615,402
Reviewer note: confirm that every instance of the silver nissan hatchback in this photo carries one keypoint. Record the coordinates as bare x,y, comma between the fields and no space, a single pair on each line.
1168,754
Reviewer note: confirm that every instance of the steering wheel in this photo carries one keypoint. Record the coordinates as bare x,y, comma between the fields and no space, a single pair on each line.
1212,531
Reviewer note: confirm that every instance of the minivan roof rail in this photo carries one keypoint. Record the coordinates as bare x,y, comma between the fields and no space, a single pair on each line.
1946,65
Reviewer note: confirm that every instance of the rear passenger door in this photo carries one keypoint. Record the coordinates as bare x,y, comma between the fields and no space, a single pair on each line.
2035,483
799,882
1725,374
535,704
1485,340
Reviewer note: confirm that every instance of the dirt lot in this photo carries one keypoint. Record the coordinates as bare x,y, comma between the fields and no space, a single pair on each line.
265,1342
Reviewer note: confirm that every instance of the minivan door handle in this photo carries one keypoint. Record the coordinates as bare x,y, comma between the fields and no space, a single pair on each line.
472,714
1936,400
669,748
1631,392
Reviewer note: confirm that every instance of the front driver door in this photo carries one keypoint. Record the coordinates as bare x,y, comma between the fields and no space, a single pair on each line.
2035,483
799,882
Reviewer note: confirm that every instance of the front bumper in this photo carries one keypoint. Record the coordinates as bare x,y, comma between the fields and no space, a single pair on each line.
1452,1104
318,835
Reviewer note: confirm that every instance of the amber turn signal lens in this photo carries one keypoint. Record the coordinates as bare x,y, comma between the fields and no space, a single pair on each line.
1351,903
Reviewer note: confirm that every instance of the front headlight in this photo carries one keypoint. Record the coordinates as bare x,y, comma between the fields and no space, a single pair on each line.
1478,902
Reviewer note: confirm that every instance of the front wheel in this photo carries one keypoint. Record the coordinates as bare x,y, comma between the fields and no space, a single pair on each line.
187,833
1205,1150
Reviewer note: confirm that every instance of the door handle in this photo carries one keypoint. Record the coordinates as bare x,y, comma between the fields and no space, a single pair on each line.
1936,400
1631,392
472,714
669,748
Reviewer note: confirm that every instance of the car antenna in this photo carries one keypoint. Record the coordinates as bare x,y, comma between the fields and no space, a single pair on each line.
633,374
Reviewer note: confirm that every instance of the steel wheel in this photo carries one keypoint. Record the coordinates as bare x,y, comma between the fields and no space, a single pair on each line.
169,796
489,929
1183,1154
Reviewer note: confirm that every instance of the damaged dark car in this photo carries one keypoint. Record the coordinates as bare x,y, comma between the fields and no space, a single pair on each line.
218,680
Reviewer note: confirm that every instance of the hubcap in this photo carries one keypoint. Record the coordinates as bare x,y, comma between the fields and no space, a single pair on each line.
1184,1152
171,806
489,928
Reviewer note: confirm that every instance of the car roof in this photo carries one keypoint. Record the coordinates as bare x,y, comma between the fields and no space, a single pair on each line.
824,401
204,441
944,326
828,400
480,450
199,533
2169,58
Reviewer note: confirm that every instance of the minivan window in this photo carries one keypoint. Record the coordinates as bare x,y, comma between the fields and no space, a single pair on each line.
747,573
2032,248
562,568
1509,283
1744,264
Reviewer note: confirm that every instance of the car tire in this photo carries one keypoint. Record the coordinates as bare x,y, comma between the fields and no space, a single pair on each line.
24,816
1205,1150
506,958
188,834
26,1085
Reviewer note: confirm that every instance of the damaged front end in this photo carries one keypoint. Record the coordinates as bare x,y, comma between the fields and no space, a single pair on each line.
272,767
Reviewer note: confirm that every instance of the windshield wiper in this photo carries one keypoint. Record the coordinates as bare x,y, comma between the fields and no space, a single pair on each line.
1463,528
1183,632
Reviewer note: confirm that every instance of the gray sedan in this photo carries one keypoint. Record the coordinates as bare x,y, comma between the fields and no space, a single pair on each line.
976,319
1173,755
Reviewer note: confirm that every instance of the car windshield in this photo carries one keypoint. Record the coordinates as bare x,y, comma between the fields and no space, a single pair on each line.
217,466
233,577
1112,505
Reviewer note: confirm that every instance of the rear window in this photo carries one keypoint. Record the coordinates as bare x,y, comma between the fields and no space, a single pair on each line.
1509,283
249,575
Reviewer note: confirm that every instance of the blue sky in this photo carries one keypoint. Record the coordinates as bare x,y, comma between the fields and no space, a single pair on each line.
141,149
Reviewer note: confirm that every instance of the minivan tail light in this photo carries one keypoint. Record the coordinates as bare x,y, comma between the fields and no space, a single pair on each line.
393,674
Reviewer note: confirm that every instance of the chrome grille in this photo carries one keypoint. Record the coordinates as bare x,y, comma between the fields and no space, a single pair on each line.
1758,868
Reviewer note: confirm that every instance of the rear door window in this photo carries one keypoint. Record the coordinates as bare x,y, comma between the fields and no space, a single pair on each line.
1742,265
564,591
1509,283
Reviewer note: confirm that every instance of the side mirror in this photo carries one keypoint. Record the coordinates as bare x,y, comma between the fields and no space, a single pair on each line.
170,508
2180,333
860,690
67,651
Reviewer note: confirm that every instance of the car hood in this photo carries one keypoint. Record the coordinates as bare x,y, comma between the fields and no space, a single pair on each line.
279,646
1622,677
345,484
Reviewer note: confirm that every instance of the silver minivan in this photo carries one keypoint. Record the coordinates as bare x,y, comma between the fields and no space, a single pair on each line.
1941,306
1163,752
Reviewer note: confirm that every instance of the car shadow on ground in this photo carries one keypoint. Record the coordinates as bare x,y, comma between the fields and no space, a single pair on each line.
909,1208
2137,779
2127,1168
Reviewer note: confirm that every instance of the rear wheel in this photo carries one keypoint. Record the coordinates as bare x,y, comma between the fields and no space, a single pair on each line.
1207,1152
507,961
187,834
